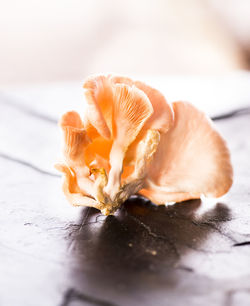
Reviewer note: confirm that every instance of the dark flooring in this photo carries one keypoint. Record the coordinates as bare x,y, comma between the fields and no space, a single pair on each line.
52,254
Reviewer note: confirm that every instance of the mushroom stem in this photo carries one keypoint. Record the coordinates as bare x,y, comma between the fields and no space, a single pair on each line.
145,152
114,180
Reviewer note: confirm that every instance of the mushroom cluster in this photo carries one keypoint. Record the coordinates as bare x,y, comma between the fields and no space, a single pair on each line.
130,140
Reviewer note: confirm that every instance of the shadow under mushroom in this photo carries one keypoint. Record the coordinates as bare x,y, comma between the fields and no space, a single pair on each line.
143,242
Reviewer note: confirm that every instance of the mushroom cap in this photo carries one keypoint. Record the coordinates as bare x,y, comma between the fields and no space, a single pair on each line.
192,160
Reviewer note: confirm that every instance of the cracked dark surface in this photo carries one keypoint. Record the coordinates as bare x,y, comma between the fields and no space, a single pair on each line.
72,296
242,243
234,113
27,164
5,100
54,254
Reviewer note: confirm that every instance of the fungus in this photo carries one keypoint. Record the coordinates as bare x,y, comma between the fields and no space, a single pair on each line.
130,140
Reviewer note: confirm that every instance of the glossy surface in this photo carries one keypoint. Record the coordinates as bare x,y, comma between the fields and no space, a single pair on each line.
54,254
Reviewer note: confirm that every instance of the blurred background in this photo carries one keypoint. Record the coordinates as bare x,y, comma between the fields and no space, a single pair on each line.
62,40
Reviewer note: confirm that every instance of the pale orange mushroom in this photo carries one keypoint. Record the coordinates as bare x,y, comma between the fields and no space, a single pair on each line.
131,141
192,160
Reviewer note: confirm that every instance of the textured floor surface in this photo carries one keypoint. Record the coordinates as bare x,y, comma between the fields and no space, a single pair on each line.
53,254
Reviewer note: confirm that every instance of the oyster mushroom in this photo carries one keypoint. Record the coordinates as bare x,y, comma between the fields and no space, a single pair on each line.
131,141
